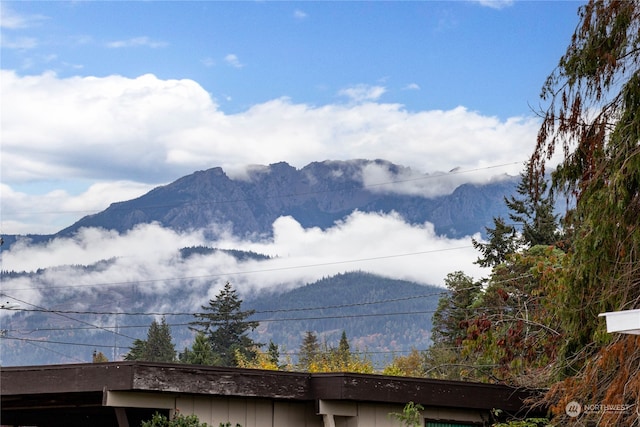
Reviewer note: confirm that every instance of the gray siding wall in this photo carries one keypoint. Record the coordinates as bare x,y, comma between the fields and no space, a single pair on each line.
249,412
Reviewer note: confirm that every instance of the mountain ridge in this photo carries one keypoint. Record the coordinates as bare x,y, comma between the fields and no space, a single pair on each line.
317,195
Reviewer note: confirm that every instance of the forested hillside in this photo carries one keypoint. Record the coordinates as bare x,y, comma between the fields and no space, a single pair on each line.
380,316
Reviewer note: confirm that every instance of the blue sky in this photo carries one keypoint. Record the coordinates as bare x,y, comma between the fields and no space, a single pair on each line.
427,55
103,101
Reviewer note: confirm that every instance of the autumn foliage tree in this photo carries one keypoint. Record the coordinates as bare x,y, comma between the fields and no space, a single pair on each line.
516,330
410,365
316,357
506,331
593,121
268,360
505,328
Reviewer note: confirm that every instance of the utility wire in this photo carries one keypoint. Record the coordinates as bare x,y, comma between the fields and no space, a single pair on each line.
289,310
32,340
190,313
70,318
324,317
46,348
292,319
288,353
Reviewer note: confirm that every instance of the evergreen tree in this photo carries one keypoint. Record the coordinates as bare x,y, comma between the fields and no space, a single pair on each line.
201,352
444,358
344,353
136,352
503,240
159,346
534,211
340,359
309,351
533,222
454,309
274,354
227,327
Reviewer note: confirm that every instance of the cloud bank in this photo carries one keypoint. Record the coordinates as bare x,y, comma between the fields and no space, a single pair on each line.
147,131
149,254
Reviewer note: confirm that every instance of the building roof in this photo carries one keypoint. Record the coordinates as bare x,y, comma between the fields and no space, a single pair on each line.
84,385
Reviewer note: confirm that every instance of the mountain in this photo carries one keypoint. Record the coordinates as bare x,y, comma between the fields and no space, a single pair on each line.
106,305
378,314
316,196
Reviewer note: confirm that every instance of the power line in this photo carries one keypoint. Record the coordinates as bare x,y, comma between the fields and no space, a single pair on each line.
346,316
47,349
69,317
290,310
190,313
324,317
289,353
32,340
265,320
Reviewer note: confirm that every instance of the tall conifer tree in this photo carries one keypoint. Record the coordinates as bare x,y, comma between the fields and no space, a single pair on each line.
227,327
159,346
309,351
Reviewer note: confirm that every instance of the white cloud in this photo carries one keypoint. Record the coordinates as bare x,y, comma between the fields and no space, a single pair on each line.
91,245
153,131
142,41
380,178
362,92
377,243
495,4
233,60
55,210
11,20
299,14
112,128
412,86
19,43
208,62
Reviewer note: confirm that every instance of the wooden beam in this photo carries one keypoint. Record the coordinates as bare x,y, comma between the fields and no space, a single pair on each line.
121,416
132,399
